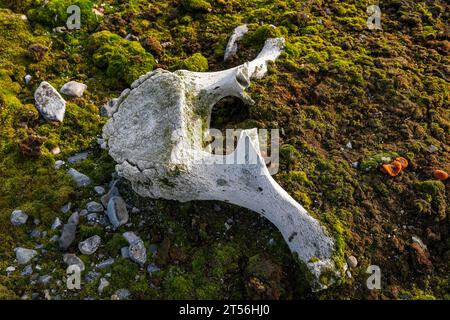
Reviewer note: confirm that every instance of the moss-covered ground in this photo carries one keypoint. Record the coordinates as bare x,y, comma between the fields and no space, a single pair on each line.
384,91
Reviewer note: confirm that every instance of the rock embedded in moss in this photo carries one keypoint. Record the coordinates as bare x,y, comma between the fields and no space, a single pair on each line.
80,179
24,255
18,217
49,102
90,245
117,211
70,259
73,88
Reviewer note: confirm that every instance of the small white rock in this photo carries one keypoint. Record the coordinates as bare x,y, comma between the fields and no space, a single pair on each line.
352,262
18,217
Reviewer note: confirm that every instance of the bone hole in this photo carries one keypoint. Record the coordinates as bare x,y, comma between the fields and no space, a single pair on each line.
228,113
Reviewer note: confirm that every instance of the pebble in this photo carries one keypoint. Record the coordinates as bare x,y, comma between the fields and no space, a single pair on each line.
138,252
56,151
59,164
124,252
56,224
91,276
352,262
103,284
73,88
24,255
10,269
117,211
80,179
35,233
99,190
70,259
66,208
45,279
78,157
152,268
18,217
69,231
27,79
94,206
121,294
27,271
130,236
105,264
90,245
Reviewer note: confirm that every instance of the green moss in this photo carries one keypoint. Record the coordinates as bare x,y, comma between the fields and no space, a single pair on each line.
54,14
123,273
196,62
120,59
114,245
377,160
258,37
434,193
6,294
177,285
197,5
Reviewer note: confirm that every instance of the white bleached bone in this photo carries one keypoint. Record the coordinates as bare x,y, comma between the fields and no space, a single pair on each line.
237,35
155,136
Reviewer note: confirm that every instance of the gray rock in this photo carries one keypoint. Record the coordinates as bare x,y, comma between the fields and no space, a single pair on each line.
117,211
130,236
83,213
99,190
91,276
124,252
92,218
94,207
109,108
113,191
152,268
35,233
73,88
69,232
24,255
66,208
352,262
49,102
45,279
18,217
153,249
56,224
78,157
74,218
90,245
80,179
27,271
138,252
59,164
71,259
67,236
54,238
105,264
103,284
121,294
